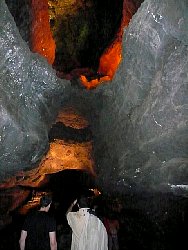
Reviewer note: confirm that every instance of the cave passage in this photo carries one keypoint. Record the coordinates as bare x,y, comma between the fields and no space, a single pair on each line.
81,39
140,126
163,227
64,187
81,29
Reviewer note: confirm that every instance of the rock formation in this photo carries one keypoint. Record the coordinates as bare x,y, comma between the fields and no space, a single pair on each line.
138,120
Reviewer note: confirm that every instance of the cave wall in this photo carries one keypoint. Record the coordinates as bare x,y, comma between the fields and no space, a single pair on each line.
21,13
138,120
141,130
29,100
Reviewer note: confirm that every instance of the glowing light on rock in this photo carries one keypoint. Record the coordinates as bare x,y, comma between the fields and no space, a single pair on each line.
70,118
93,83
110,60
62,155
112,56
41,40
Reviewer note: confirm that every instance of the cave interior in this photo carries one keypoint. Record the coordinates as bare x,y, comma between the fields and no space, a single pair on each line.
94,101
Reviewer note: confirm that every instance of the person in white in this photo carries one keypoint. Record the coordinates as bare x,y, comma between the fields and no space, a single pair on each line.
88,231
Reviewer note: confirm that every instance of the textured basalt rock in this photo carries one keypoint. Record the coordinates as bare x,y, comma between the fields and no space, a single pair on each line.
143,120
139,119
30,96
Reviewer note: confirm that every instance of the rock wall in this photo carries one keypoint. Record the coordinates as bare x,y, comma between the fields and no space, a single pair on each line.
138,120
29,100
141,129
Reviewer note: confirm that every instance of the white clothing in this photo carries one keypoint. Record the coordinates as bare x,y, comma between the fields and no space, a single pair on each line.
88,231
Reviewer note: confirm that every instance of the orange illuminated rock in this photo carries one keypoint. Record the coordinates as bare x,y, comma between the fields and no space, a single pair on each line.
112,56
110,60
93,83
61,156
41,39
71,118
